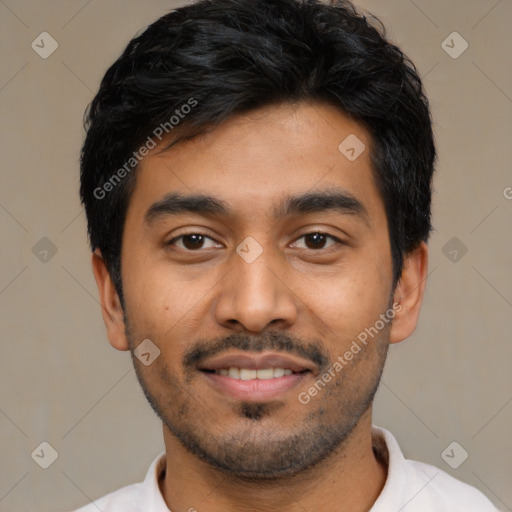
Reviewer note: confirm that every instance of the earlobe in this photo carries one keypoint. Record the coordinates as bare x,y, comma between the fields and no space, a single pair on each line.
111,308
409,292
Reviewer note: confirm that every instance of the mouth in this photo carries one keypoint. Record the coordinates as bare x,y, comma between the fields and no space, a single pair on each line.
251,374
256,376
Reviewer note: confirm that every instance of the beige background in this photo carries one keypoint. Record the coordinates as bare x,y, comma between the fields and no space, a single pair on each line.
60,380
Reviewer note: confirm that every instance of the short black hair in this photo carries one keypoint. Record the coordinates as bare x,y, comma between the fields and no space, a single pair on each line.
200,64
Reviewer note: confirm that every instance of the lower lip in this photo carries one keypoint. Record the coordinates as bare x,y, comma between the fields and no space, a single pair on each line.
254,389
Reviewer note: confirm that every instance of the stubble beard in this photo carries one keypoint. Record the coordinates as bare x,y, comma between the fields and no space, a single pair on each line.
257,448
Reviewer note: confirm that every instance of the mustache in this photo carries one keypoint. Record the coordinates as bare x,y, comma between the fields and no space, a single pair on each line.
279,341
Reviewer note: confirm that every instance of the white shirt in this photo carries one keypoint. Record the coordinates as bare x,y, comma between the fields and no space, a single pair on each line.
410,487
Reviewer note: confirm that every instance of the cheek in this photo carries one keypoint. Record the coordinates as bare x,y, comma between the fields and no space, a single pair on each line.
166,306
352,301
148,284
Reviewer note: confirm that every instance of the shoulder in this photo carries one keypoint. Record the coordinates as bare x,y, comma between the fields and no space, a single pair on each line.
125,499
437,490
413,486
139,497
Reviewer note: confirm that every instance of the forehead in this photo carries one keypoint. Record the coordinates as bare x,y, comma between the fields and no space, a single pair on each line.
253,162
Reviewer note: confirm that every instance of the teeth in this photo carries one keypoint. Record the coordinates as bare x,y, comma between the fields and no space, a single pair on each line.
278,372
234,373
266,373
249,374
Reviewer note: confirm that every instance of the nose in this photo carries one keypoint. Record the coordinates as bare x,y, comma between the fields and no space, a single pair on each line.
254,295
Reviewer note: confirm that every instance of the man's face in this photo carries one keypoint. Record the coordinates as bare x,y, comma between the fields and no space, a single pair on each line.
250,288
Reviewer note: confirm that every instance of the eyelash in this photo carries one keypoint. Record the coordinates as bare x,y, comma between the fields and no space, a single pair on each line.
337,240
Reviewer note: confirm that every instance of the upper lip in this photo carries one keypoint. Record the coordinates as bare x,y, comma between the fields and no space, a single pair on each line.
258,361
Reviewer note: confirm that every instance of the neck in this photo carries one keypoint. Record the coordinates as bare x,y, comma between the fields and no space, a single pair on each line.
350,479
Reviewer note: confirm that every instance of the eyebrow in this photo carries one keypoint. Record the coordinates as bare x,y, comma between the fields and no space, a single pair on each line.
332,199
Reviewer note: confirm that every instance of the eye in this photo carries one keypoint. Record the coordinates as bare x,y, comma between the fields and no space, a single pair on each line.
316,240
191,241
195,241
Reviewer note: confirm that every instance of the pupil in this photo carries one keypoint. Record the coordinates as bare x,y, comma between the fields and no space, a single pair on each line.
196,243
317,237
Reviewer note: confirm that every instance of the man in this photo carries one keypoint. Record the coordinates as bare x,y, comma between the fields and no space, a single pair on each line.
257,182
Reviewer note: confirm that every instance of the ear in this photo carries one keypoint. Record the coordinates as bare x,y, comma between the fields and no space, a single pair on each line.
408,295
110,304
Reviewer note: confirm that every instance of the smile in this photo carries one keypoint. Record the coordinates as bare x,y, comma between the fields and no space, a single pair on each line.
255,376
251,374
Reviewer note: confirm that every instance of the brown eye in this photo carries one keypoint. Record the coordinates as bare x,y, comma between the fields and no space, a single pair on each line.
316,240
191,241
